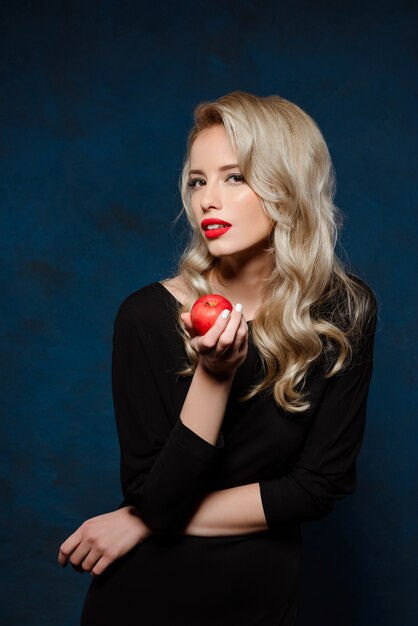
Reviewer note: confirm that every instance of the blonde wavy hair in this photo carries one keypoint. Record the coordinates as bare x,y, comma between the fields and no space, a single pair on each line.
311,304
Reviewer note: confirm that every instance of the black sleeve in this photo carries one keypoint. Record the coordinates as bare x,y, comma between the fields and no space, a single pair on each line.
162,466
326,467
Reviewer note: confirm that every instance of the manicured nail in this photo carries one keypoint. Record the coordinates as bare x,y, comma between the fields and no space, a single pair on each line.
225,314
238,307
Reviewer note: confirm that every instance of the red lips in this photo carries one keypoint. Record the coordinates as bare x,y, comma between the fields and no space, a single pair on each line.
212,233
213,220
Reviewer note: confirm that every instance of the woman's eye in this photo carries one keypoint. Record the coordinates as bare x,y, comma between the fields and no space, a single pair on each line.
238,178
193,183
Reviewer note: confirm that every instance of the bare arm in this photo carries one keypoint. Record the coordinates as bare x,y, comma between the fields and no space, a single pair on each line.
221,351
234,511
238,510
204,407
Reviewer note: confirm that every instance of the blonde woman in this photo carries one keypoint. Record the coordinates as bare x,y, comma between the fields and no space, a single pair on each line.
230,440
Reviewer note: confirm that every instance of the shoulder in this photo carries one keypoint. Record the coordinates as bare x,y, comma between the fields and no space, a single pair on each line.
367,302
145,306
139,298
350,305
360,311
363,287
347,297
176,286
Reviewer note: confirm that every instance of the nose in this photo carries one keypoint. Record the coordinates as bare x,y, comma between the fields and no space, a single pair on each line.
210,197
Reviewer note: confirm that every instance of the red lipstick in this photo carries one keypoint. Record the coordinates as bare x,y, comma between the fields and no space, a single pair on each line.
218,227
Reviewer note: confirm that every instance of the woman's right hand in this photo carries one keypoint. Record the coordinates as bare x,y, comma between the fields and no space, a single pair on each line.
224,347
103,539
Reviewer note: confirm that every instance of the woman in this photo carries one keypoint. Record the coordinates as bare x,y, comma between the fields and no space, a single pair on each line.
230,440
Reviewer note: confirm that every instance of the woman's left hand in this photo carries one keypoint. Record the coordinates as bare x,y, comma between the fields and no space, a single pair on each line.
103,539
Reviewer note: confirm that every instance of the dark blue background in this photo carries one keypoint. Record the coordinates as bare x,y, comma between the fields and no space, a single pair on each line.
95,107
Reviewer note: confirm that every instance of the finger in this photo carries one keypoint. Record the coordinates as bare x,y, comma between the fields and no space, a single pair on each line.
187,321
78,556
228,336
91,559
239,341
242,334
69,546
186,317
62,558
101,565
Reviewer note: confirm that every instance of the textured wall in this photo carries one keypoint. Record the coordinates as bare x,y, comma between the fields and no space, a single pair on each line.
96,103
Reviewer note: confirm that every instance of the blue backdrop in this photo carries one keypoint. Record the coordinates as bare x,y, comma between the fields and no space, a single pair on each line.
96,104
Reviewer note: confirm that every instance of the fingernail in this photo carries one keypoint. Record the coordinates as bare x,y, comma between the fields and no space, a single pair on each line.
225,314
238,307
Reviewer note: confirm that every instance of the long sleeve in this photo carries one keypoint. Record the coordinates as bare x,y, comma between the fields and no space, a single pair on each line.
163,466
326,467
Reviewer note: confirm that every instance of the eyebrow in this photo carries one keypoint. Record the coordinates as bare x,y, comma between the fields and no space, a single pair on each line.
221,169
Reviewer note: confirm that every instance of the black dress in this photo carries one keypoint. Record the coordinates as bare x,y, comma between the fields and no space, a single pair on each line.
302,461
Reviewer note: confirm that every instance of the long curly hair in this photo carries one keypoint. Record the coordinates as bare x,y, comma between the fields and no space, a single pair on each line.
313,309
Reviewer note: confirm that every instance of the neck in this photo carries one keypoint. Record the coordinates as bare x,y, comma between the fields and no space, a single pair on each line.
242,280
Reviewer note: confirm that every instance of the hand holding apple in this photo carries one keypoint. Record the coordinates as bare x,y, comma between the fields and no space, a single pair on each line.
223,347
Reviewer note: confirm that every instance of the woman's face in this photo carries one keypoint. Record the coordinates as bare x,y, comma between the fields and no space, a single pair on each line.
220,193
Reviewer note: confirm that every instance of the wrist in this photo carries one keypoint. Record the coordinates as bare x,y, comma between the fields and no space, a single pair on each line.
223,378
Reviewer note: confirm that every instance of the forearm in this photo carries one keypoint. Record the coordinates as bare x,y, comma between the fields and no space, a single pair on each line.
204,407
235,511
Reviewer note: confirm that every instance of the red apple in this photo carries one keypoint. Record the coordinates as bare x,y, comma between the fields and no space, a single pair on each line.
205,311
